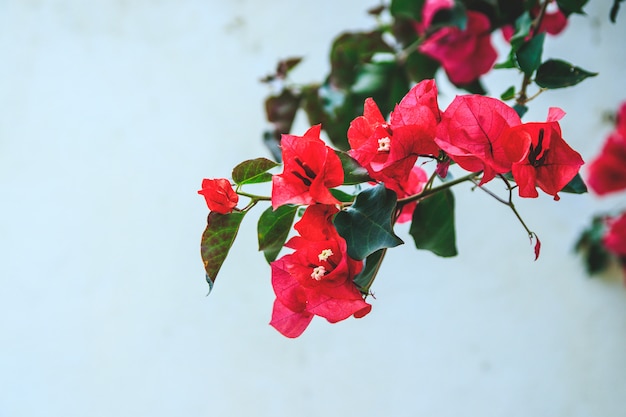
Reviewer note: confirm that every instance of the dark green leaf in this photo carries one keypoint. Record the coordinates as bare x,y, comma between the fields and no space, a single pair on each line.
411,9
529,54
366,225
353,173
366,277
475,87
614,10
575,186
522,30
520,109
273,228
217,239
420,67
433,227
571,6
253,171
509,94
556,73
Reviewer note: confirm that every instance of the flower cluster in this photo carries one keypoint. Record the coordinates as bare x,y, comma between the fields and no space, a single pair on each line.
484,136
606,175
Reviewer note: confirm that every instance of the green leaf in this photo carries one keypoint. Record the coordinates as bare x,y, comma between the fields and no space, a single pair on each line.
571,6
353,172
420,67
342,195
555,73
217,239
455,16
411,9
273,228
529,54
509,94
366,277
433,227
575,186
366,225
253,171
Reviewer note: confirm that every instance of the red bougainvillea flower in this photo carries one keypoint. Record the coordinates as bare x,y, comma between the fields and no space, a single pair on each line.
316,279
219,195
464,54
471,130
615,237
540,156
415,185
607,173
389,150
310,169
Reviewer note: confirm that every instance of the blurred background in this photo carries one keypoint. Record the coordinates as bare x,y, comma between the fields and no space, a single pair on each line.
112,112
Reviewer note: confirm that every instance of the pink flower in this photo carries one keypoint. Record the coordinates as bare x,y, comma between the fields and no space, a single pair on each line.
464,54
615,236
219,195
316,279
310,169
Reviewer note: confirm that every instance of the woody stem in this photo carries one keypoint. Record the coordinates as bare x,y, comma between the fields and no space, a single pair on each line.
435,190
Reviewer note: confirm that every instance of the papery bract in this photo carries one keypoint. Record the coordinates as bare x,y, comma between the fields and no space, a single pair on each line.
311,168
471,130
389,150
464,54
607,172
540,157
219,195
553,22
316,279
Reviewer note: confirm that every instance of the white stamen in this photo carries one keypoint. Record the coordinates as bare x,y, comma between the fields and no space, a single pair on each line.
326,253
318,272
384,144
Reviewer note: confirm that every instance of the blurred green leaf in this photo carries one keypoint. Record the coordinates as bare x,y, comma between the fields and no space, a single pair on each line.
280,110
420,67
253,171
614,10
349,51
411,9
273,229
217,239
433,227
367,224
555,73
591,247
571,6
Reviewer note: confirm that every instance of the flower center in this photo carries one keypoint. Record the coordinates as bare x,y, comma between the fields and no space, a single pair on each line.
326,253
384,144
318,272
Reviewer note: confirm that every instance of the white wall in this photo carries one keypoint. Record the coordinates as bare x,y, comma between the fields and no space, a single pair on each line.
112,112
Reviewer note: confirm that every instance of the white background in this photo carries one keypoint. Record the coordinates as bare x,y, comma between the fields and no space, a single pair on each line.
112,112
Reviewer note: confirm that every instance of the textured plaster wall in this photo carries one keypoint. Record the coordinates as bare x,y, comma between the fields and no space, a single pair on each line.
111,113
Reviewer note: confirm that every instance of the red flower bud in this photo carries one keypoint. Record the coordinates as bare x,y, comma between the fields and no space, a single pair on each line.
219,195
